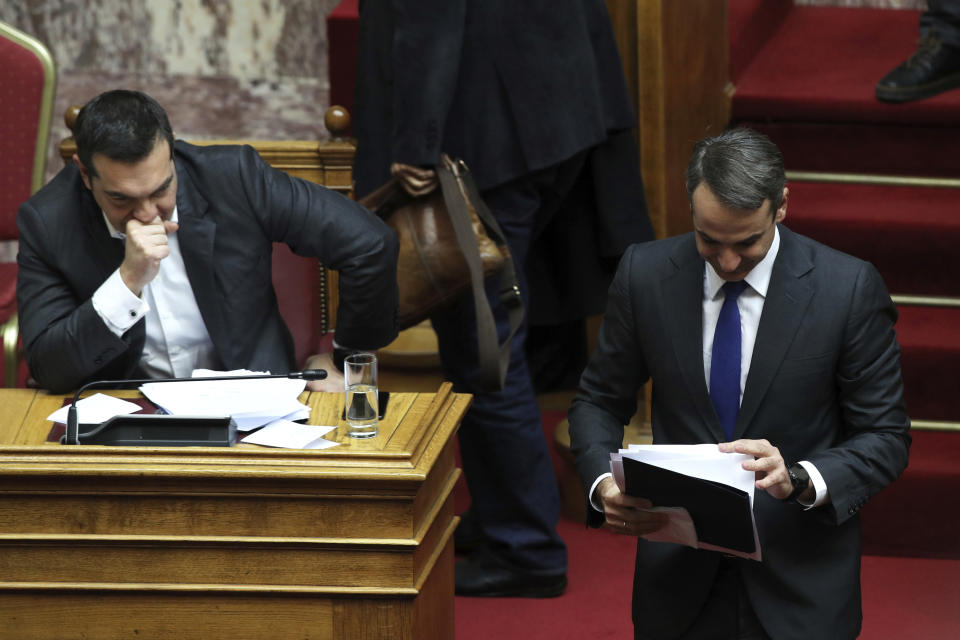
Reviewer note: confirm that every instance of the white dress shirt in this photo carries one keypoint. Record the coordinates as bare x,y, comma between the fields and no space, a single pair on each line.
177,341
750,303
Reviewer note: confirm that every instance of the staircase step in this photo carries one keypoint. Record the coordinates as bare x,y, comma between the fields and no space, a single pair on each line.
910,234
810,87
930,342
907,518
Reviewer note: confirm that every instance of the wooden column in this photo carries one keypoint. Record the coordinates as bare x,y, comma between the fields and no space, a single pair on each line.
675,55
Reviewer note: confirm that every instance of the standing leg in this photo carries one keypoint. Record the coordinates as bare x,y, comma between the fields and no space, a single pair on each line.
507,464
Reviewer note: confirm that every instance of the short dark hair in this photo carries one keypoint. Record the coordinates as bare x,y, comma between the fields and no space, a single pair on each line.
122,125
741,166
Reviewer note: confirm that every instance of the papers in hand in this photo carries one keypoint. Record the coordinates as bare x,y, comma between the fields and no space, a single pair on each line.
251,403
95,409
707,494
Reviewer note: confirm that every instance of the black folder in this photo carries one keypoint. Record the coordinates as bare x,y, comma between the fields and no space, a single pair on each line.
721,514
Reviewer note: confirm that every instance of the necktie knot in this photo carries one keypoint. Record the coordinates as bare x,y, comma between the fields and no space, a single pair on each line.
732,290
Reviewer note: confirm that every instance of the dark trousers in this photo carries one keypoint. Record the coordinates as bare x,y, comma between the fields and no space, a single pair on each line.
506,460
726,615
942,18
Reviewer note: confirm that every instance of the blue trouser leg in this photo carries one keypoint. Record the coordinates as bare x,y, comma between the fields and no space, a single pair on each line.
505,454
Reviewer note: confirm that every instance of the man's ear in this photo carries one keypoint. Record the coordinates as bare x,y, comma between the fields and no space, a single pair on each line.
83,172
782,211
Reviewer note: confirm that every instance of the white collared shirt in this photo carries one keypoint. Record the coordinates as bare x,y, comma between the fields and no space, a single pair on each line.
177,339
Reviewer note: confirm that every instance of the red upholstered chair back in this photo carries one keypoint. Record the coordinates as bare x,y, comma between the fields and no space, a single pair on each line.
27,82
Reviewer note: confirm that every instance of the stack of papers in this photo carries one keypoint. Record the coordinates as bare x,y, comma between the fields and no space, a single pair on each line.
251,403
706,493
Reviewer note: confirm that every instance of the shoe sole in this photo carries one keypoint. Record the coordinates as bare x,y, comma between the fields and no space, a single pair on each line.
535,592
918,92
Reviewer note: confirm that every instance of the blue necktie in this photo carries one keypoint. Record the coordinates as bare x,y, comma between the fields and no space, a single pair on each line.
725,364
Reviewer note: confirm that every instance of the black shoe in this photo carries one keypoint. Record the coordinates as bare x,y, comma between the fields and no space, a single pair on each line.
483,577
468,537
933,68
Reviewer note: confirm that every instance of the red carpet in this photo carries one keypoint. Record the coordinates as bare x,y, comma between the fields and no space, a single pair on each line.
909,233
596,604
910,598
810,86
823,63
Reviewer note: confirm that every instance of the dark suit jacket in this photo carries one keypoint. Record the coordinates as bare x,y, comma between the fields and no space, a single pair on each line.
232,206
824,385
511,88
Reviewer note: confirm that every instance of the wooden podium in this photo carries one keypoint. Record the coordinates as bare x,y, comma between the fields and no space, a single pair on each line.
352,542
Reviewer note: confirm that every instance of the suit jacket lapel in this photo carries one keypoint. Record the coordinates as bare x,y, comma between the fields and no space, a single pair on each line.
196,235
108,251
784,309
681,297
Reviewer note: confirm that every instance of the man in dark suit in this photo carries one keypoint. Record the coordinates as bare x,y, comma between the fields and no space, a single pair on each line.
816,392
149,257
531,95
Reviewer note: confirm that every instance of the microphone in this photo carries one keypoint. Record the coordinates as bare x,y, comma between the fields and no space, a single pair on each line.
165,430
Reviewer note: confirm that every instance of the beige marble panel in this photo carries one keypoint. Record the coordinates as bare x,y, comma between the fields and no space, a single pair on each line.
882,4
221,68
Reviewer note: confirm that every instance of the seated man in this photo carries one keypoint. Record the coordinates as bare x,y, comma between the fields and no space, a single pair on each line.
109,287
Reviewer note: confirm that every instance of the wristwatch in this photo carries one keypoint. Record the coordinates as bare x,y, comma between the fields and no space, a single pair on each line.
800,480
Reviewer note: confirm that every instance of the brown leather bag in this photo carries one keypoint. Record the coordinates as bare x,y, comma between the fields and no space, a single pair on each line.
449,243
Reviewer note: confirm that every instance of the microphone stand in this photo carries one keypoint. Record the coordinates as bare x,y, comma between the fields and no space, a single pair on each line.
72,435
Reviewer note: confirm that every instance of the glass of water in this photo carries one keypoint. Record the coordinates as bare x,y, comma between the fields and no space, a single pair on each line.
360,380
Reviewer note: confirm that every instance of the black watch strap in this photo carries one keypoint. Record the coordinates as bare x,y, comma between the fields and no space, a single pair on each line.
800,480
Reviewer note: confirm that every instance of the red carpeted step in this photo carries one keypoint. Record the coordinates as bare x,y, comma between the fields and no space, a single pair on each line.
930,341
811,88
821,65
910,234
910,598
915,516
751,23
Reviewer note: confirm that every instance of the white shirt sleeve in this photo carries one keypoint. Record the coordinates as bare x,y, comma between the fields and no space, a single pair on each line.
593,490
117,306
819,485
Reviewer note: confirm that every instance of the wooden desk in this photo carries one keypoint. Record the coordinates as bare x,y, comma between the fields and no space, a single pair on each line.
353,542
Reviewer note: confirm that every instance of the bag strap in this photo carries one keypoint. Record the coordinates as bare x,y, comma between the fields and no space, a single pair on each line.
458,189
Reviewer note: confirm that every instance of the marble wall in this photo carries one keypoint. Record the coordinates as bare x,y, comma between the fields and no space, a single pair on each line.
222,68
884,4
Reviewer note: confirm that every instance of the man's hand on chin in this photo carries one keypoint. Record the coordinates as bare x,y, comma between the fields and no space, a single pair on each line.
146,246
333,383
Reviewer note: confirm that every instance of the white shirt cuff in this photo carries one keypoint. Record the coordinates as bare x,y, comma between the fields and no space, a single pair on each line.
818,484
117,306
593,489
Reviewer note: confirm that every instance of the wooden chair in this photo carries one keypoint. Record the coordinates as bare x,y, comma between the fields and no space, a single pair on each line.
27,83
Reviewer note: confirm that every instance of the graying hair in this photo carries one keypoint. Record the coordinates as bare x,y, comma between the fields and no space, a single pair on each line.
742,168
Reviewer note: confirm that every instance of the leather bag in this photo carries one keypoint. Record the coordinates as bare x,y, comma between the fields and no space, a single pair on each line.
449,244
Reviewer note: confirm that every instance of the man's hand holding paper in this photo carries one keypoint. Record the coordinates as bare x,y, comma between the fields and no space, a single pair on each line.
700,496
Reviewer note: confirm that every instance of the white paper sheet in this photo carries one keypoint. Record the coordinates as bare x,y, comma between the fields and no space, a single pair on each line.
290,435
252,403
95,409
699,461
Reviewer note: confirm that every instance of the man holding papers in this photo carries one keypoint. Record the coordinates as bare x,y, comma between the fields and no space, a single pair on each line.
149,257
774,346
